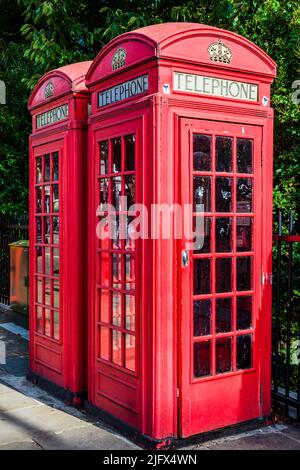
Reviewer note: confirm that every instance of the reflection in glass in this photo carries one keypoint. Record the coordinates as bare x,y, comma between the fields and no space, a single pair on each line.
130,272
39,289
47,322
130,190
243,352
104,268
55,294
244,155
55,198
202,359
47,296
116,308
223,315
55,170
47,199
130,352
116,242
202,152
116,154
104,157
202,193
202,245
130,233
47,230
202,317
104,194
223,194
223,234
39,319
55,261
116,192
117,269
104,305
243,273
224,154
47,261
39,199
223,275
244,233
244,312
117,348
47,167
39,170
56,325
104,343
201,276
39,259
55,228
223,355
129,141
244,195
39,229
130,312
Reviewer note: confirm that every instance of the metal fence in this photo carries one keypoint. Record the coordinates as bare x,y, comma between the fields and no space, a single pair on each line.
12,228
286,319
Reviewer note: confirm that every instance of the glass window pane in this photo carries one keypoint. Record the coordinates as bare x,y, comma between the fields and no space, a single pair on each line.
116,270
39,259
55,294
55,198
223,275
130,312
55,261
117,347
223,355
130,190
47,206
116,192
47,230
202,229
47,167
223,234
202,193
116,154
39,199
55,168
130,352
243,273
104,343
244,155
47,260
223,194
39,290
47,291
39,319
224,153
104,194
104,266
244,234
55,229
116,242
39,229
56,326
130,233
104,157
201,276
104,305
47,322
129,141
130,272
202,354
223,315
116,308
202,317
244,195
244,312
202,152
243,352
39,170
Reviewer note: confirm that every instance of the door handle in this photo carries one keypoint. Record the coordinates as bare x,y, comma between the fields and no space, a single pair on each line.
184,258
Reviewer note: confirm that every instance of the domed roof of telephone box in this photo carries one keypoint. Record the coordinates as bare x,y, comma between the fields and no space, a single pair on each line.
182,42
58,82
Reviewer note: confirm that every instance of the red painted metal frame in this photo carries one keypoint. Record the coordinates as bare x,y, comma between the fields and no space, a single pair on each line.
62,361
160,50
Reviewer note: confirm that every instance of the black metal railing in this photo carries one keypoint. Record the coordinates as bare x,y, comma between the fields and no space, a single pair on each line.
286,319
12,228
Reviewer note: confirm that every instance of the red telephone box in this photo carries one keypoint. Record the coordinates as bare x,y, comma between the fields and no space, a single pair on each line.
59,107
180,336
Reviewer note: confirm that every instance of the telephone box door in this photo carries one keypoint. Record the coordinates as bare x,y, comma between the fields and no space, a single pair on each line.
221,309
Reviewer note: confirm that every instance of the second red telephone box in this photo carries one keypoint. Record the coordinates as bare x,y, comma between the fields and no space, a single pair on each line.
59,107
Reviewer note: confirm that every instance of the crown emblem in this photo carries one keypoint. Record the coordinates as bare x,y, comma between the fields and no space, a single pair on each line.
49,90
218,52
118,59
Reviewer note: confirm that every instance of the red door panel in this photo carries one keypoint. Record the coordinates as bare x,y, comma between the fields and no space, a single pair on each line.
220,275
